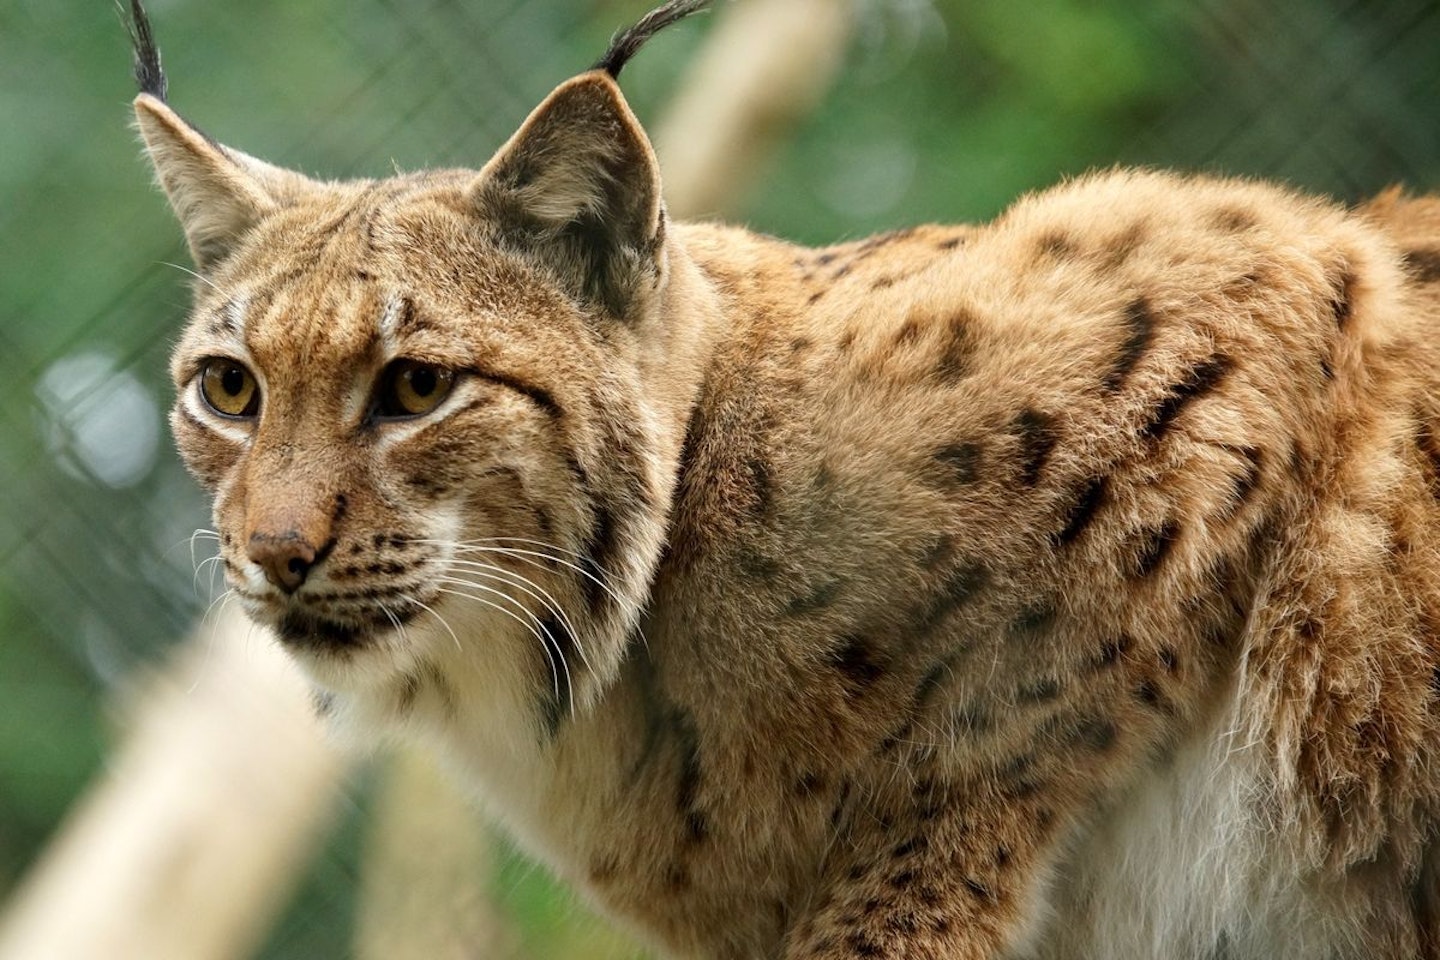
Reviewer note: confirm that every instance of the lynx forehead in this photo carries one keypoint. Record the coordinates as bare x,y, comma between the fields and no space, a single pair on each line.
1063,586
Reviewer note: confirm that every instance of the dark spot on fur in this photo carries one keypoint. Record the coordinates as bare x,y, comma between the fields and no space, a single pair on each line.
862,946
1139,331
323,701
857,664
883,282
1002,856
960,462
902,879
1093,733
1342,303
697,828
760,485
809,784
907,333
1018,766
1232,219
561,661
978,890
1200,380
1082,511
1423,264
1036,432
1148,693
757,566
825,259
837,812
603,870
818,599
1119,249
814,298
930,684
1428,443
409,693
1155,546
1113,651
955,350
949,243
688,738
959,588
1244,484
1057,246
677,878
1040,690
912,846
1169,659
939,551
970,720
1032,620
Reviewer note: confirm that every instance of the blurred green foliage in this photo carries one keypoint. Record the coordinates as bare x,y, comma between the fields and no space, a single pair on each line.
946,111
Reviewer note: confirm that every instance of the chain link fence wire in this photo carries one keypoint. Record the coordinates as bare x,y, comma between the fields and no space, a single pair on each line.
947,110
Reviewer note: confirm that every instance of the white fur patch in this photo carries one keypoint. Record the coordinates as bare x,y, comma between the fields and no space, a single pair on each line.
1183,867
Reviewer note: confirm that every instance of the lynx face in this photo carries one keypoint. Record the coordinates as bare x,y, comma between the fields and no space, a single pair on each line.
420,404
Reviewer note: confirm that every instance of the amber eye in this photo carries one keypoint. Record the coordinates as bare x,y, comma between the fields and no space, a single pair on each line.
229,389
409,388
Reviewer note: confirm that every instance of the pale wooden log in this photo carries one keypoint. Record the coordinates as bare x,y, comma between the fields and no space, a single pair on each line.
191,841
764,67
425,890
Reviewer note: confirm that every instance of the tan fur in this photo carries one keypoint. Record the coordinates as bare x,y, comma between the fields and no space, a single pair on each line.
1066,586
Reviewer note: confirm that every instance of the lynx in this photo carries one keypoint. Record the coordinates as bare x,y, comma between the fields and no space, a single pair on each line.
1066,586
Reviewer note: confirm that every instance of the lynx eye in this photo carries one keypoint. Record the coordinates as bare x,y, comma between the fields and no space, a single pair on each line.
409,388
229,389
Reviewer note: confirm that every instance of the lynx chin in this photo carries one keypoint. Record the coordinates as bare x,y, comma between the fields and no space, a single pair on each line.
1066,586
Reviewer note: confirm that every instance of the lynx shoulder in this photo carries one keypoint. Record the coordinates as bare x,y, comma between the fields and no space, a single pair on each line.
1062,586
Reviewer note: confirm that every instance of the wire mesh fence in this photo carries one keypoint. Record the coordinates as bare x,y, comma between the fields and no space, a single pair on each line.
946,110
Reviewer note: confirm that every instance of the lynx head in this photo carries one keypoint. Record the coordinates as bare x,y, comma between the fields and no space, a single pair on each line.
440,413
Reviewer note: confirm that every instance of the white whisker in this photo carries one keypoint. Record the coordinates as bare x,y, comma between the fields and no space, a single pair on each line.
538,592
431,610
525,556
555,675
203,279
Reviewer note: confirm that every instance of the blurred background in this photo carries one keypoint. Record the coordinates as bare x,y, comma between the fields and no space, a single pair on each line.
944,110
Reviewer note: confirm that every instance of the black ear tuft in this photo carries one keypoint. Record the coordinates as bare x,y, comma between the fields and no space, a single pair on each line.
149,76
625,44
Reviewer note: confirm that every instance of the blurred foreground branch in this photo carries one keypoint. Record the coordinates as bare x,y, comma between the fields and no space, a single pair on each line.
763,68
194,836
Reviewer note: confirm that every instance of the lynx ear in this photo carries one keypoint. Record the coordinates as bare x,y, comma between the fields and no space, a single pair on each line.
217,193
578,188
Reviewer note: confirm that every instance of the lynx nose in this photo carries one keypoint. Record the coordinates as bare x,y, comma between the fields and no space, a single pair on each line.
286,558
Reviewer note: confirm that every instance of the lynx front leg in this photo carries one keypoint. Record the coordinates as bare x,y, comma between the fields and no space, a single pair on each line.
934,871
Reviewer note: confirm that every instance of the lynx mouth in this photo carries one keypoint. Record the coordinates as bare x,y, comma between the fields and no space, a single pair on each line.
310,633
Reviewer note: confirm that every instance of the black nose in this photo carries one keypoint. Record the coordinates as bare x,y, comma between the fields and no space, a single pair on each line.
285,558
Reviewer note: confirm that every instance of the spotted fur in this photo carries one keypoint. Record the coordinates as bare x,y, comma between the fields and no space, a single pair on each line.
1062,586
